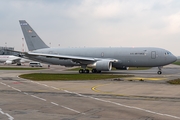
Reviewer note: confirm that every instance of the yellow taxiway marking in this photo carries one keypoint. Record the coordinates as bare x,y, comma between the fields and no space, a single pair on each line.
116,94
76,87
143,78
95,90
105,92
132,78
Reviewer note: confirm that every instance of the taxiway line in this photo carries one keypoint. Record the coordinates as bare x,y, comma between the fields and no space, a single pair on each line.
9,116
43,98
118,104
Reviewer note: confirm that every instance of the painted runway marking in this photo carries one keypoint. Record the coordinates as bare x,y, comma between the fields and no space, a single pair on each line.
45,85
26,93
38,97
119,104
55,88
16,89
95,88
144,78
54,103
9,116
123,105
42,98
70,109
2,83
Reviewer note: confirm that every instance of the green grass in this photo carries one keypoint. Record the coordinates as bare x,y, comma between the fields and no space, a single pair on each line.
175,81
177,62
17,68
48,76
130,68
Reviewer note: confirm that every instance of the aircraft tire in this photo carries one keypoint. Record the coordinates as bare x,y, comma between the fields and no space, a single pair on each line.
18,64
86,71
159,72
94,71
81,71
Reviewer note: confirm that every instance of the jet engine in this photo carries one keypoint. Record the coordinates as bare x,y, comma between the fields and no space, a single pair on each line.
104,65
9,62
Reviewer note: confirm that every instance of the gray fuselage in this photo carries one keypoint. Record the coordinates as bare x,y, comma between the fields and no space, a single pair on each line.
128,57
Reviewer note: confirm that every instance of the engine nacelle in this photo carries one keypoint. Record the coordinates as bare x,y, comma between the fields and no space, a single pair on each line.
9,62
104,65
122,68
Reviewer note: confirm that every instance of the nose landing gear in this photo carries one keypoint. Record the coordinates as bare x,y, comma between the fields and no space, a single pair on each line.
159,71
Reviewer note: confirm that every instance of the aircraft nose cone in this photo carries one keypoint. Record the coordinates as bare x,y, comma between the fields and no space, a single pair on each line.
173,58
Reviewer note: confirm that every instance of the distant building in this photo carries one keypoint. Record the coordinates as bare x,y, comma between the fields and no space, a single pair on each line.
3,51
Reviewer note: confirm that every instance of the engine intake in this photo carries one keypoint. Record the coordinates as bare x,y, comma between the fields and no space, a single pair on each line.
104,65
9,62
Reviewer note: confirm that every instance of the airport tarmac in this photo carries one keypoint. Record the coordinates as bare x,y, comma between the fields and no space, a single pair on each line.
146,96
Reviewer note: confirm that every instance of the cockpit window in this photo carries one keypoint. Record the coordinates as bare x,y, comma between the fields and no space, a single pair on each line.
167,53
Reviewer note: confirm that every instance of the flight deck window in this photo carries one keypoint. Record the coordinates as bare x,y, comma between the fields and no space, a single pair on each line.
167,53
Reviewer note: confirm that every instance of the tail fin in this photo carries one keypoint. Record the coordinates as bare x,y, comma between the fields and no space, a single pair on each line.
33,41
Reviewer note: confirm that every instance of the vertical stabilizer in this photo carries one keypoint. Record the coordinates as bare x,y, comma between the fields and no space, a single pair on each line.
33,41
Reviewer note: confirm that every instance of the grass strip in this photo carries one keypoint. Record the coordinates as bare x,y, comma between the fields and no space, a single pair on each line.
139,68
16,68
49,77
177,62
175,81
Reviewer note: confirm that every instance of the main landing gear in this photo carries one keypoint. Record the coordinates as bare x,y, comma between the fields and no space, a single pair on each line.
96,71
159,71
83,71
87,71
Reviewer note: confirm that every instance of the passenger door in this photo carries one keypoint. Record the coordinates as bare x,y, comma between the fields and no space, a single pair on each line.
153,54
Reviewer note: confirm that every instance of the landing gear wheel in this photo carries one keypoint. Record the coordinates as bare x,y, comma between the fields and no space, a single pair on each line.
94,71
159,72
81,71
86,71
18,64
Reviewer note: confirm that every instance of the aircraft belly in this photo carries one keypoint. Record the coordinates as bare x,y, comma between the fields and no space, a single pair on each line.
139,61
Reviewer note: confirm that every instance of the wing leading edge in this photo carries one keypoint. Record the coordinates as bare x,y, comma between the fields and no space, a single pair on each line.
78,59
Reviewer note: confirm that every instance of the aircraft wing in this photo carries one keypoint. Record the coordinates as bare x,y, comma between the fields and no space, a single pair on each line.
15,60
81,60
12,60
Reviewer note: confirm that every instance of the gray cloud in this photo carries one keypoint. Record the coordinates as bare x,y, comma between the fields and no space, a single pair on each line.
79,23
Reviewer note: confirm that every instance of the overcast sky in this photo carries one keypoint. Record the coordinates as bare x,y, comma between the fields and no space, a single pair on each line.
94,23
